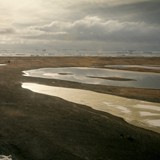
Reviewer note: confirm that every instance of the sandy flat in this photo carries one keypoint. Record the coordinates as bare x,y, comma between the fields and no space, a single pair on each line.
35,126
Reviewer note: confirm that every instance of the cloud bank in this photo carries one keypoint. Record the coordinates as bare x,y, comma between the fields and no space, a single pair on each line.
107,24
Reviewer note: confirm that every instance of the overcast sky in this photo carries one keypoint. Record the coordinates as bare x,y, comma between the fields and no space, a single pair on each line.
80,24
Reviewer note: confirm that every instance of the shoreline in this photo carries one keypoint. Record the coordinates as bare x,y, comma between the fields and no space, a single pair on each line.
35,126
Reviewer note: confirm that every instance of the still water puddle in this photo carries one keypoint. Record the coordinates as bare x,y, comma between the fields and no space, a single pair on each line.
136,112
2,65
100,76
153,67
3,157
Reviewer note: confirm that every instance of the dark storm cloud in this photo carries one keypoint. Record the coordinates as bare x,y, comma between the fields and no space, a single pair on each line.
144,11
147,11
131,22
7,31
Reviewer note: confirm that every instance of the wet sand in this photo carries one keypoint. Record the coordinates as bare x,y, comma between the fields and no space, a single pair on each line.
38,127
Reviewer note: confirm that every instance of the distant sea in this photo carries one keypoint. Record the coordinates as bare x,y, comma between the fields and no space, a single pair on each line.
130,53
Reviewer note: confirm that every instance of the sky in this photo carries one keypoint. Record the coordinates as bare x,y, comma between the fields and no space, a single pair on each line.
80,24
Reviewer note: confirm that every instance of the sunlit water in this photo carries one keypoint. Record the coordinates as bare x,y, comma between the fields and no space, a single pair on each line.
139,113
99,76
3,157
136,112
2,65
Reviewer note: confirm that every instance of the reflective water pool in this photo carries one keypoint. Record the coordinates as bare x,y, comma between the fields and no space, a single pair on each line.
136,112
3,157
155,67
100,76
2,64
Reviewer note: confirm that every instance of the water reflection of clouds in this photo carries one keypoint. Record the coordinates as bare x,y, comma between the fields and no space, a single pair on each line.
154,67
2,65
139,113
85,75
143,113
153,122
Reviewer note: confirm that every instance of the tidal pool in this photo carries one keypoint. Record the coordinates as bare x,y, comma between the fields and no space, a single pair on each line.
155,67
3,157
2,64
100,76
136,112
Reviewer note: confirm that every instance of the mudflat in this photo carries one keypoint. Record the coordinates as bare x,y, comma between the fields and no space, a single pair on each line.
38,127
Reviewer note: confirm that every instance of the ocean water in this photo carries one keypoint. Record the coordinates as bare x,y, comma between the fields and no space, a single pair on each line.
67,52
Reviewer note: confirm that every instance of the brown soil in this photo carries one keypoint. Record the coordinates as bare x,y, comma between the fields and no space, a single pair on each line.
39,127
